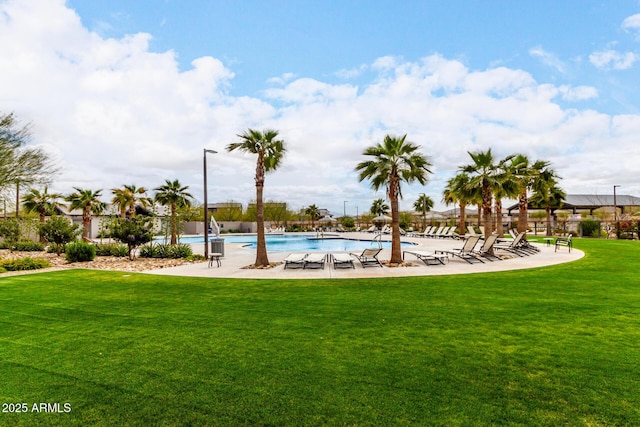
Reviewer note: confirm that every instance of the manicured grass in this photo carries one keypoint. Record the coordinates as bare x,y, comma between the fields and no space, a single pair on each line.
549,346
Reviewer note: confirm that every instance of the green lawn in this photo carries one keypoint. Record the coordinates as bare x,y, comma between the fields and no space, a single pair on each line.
550,346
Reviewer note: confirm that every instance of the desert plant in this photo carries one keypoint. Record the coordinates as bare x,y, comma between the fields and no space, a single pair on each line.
590,228
28,246
10,230
133,232
160,250
59,231
112,249
26,263
80,252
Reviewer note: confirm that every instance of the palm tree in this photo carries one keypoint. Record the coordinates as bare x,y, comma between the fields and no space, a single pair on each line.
89,202
313,213
379,207
125,199
506,186
44,203
547,194
270,152
174,195
121,200
459,191
525,174
394,161
484,177
424,203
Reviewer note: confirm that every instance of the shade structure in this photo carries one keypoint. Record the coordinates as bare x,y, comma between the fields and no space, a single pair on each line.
326,219
382,218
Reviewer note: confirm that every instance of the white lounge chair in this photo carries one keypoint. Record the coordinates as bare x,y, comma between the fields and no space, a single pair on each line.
294,260
314,260
369,257
429,258
466,252
342,260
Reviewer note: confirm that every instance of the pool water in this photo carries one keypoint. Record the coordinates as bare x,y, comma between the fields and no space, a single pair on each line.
300,243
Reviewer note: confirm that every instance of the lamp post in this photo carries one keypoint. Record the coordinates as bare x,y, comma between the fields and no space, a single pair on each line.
344,209
206,203
615,210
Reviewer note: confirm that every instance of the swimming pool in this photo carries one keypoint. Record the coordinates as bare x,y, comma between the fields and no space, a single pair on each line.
299,243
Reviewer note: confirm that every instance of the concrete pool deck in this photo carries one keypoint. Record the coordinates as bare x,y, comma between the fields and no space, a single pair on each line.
236,257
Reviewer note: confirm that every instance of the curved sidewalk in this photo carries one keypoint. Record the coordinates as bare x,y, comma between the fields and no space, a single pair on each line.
237,257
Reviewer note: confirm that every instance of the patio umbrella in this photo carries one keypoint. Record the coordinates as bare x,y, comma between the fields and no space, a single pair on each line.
326,219
382,218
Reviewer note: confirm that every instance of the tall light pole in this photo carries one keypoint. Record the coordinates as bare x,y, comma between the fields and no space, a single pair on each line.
615,210
206,203
344,209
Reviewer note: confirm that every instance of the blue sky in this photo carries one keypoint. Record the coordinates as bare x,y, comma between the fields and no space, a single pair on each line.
259,40
556,80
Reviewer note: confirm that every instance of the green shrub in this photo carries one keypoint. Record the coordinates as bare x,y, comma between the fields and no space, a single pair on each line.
147,251
28,246
590,228
181,250
20,264
161,250
80,252
5,245
10,230
134,232
3,270
112,249
59,231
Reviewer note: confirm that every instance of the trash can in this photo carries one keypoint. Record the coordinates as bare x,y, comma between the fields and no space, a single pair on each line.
217,246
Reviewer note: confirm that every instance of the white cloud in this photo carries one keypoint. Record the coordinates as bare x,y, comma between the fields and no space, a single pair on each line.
116,113
632,23
578,93
548,58
608,59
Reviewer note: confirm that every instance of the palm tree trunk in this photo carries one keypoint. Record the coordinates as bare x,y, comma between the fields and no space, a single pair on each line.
486,211
523,213
174,225
548,209
499,227
463,225
262,260
86,221
261,251
42,221
396,253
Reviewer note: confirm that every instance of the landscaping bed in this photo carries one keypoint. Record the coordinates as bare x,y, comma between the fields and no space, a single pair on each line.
99,263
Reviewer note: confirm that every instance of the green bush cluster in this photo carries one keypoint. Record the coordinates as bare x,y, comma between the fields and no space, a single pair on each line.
28,246
590,228
5,245
112,249
80,252
20,264
159,250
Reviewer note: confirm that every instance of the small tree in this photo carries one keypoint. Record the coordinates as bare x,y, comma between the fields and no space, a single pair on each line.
133,232
59,231
10,231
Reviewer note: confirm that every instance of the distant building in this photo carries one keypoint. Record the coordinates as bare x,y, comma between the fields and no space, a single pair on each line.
590,202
